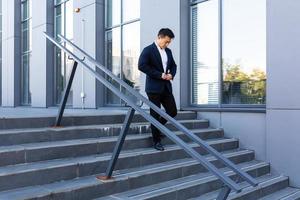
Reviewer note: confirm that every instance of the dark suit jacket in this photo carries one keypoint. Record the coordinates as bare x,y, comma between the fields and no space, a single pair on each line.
151,64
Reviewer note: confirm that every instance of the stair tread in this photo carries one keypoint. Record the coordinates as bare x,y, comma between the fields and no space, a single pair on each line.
175,163
85,127
173,185
63,162
25,167
281,194
87,181
38,145
119,111
263,181
294,196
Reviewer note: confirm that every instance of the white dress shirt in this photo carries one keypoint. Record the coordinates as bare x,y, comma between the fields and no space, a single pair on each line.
164,57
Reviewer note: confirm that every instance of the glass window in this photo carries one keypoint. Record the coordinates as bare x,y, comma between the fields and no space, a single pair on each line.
131,51
25,79
59,1
25,10
131,10
59,13
59,79
113,12
229,52
122,44
25,36
244,52
63,66
205,53
69,19
26,31
113,61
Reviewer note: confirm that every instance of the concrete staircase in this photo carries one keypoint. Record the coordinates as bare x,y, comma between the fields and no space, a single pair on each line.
41,163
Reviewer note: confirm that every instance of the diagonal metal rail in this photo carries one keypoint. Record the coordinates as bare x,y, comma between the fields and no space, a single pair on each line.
229,183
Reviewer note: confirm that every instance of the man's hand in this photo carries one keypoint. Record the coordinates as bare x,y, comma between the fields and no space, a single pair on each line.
169,77
166,77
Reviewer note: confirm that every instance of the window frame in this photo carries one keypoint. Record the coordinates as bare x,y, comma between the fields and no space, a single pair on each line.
28,52
61,3
220,105
110,29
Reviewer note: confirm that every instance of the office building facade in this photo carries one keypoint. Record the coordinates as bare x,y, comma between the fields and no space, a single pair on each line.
237,61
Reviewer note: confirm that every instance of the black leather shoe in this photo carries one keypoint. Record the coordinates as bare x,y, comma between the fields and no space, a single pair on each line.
158,146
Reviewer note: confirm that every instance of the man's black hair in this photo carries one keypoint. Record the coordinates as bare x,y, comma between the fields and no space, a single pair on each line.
166,32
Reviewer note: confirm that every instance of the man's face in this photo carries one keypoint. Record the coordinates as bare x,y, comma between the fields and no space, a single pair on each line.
164,42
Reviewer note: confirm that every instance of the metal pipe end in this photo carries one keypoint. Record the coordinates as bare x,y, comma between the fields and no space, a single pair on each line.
105,178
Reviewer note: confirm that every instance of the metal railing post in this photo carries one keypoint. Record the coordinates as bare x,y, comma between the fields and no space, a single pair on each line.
66,95
225,191
119,145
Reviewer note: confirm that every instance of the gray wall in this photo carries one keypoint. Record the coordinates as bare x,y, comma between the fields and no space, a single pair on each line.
283,86
249,128
11,52
41,65
157,14
1,59
185,58
89,35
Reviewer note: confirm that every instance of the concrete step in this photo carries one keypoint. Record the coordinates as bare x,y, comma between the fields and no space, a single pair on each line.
294,196
286,193
89,187
34,135
38,122
33,152
63,169
40,162
267,184
187,187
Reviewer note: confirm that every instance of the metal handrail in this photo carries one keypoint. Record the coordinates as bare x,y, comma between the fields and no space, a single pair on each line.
191,135
226,180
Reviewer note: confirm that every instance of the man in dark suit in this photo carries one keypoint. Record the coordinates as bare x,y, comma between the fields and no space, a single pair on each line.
157,62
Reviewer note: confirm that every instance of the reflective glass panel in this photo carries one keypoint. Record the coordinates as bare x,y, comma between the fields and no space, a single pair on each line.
113,61
113,12
205,52
131,10
244,52
131,51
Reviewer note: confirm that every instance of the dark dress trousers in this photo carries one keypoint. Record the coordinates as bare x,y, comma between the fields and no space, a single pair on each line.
159,91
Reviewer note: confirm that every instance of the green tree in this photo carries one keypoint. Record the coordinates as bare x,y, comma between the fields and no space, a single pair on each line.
233,73
252,86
